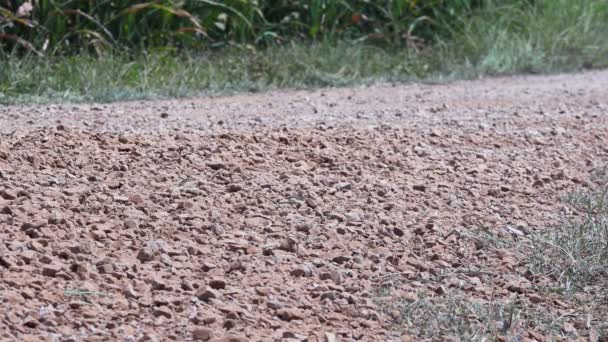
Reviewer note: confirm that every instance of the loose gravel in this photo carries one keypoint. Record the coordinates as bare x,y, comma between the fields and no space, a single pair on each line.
297,216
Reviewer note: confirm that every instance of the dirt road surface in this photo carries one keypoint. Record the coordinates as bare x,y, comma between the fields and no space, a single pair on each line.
325,215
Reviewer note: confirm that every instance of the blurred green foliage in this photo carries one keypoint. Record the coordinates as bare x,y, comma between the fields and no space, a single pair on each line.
49,27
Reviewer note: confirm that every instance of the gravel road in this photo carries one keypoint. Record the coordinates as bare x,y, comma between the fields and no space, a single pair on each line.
392,212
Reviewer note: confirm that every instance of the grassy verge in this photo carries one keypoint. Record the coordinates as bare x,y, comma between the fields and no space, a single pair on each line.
502,38
537,37
161,74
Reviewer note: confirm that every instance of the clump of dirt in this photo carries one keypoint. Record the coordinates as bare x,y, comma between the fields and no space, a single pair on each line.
300,234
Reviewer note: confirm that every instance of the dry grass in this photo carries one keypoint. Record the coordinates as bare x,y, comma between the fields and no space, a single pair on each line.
572,260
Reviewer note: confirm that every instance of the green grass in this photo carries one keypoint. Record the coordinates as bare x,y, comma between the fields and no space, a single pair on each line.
547,36
161,74
504,37
69,26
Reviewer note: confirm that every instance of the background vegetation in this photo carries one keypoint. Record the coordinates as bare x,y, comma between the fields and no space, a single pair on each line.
74,26
83,50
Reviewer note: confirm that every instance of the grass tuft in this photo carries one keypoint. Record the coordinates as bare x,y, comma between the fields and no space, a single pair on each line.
576,253
567,262
461,318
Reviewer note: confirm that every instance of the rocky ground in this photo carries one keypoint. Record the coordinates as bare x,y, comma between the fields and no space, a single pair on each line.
384,213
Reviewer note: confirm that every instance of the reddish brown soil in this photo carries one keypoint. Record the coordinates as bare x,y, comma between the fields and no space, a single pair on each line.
315,216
